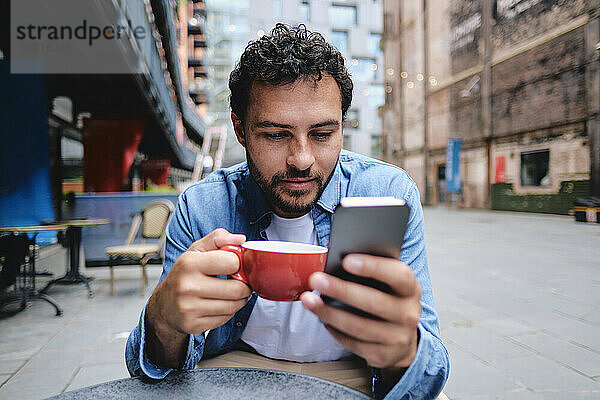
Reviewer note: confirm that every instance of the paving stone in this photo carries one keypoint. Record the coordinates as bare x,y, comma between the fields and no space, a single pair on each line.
3,379
95,374
580,359
66,358
36,385
506,326
10,366
540,374
451,318
585,334
106,352
520,394
594,316
484,344
77,335
470,377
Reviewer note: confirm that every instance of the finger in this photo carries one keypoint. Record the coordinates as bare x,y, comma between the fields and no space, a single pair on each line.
212,263
211,307
224,289
200,325
399,276
376,355
360,328
373,301
217,239
209,287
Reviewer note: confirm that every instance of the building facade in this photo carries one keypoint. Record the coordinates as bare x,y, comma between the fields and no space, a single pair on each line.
516,80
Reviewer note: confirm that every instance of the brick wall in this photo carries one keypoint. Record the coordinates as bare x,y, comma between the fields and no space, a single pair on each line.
465,34
530,23
465,111
548,77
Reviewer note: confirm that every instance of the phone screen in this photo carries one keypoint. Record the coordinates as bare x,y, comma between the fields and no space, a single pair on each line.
369,225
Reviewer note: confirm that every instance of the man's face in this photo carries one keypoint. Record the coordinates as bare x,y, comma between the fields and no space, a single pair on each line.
293,137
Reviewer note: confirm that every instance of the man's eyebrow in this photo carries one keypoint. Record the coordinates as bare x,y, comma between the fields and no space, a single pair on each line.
271,124
331,122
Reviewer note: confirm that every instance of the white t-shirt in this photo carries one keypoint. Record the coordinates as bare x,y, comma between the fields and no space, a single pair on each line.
285,329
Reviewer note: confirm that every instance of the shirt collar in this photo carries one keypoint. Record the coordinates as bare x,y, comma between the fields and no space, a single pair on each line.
330,197
257,204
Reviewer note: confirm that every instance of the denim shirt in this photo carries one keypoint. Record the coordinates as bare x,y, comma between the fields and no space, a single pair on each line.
230,198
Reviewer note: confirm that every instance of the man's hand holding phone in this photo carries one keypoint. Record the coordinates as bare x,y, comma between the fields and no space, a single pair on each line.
389,342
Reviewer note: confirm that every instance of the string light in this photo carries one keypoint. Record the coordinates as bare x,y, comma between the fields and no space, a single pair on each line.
260,33
389,71
403,74
410,84
373,67
419,77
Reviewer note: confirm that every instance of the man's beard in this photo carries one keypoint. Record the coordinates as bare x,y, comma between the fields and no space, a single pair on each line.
273,190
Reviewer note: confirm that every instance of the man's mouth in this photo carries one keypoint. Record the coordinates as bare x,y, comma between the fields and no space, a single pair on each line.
298,183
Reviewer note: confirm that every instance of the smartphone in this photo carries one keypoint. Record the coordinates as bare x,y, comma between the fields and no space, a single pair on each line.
368,225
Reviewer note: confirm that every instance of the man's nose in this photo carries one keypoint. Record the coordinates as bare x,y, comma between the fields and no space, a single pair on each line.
300,156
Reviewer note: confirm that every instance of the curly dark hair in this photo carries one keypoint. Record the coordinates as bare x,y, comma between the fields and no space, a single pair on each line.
288,54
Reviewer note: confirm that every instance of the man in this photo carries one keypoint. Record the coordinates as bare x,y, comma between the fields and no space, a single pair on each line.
289,94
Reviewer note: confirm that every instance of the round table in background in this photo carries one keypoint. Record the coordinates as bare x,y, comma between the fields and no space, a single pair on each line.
219,383
73,240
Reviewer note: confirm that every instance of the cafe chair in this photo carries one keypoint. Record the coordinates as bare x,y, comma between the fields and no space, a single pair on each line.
153,220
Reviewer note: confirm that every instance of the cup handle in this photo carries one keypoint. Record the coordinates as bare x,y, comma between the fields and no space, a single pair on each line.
237,250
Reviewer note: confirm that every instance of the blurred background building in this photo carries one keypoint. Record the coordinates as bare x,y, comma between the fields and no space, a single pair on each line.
516,80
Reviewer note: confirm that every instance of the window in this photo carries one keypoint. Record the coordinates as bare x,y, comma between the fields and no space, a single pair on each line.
219,72
535,168
222,48
363,69
342,16
373,43
376,95
376,146
340,40
304,11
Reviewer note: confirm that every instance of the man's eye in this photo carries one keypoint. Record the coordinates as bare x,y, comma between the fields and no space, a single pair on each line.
321,135
276,135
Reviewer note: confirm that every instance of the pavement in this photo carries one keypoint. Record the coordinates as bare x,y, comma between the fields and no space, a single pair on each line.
518,297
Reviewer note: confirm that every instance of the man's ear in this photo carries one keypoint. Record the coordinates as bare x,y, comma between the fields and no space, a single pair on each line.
238,127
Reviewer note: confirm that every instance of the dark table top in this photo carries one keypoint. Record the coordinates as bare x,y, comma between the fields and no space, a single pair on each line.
221,383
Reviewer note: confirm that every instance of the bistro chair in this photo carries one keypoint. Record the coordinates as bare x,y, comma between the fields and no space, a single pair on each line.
153,220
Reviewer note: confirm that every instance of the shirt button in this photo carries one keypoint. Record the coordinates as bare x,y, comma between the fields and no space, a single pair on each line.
238,324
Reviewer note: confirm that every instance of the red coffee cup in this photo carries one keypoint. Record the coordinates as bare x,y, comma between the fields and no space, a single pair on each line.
277,270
